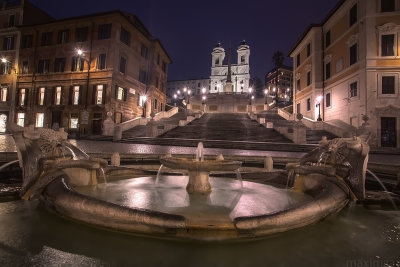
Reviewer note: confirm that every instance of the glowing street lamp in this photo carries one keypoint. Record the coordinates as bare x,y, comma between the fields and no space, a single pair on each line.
250,96
175,97
203,90
3,60
318,105
189,92
203,98
144,99
266,96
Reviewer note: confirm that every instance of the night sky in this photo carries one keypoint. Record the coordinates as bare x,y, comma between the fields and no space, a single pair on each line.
189,29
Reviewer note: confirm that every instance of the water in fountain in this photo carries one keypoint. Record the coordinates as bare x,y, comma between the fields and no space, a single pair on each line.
384,189
75,151
239,178
200,152
158,174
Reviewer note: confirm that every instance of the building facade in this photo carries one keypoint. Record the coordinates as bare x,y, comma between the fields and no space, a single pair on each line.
194,87
240,72
279,82
348,67
75,72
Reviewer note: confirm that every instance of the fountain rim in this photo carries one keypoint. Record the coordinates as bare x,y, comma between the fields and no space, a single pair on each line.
205,165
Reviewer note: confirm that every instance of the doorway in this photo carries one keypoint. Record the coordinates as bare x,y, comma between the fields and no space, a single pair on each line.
56,120
388,132
97,123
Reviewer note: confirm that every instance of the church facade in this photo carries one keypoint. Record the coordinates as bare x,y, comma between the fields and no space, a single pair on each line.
230,78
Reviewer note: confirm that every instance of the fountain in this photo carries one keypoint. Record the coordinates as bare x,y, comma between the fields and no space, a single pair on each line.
196,206
199,169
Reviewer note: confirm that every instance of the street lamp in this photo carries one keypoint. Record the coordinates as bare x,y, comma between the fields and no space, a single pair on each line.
203,98
189,92
266,96
203,90
318,105
250,96
175,97
81,55
144,99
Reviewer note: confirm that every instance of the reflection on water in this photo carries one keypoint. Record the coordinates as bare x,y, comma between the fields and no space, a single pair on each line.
30,236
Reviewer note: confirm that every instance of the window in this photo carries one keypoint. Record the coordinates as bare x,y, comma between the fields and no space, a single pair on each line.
75,95
388,84
120,93
125,37
122,65
158,59
57,95
59,65
308,104
11,21
217,61
142,76
3,94
353,89
308,78
77,64
21,119
157,82
99,93
242,59
41,96
26,41
43,66
104,31
81,34
25,67
46,38
298,60
63,37
144,51
308,49
353,15
328,100
388,5
74,121
39,120
164,66
387,45
327,70
155,104
8,43
298,108
353,54
101,62
5,68
298,84
22,97
328,38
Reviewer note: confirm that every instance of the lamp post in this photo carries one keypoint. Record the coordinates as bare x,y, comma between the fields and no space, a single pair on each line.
188,93
266,96
80,55
144,99
318,105
203,99
250,95
175,97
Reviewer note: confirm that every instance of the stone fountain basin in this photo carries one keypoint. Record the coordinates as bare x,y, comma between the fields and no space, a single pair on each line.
324,196
206,165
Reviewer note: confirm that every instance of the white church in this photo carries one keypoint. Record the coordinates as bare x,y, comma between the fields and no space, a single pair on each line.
230,78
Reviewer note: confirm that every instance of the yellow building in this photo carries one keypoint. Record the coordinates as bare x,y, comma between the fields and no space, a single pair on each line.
348,67
74,72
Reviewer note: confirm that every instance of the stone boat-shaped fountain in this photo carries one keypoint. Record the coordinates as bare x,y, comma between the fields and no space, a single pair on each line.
321,184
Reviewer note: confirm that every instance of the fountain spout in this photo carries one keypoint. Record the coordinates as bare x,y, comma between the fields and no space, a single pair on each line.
200,152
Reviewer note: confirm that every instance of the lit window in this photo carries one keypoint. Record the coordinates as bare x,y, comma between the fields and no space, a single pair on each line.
75,95
3,94
99,94
120,94
57,96
3,123
20,119
41,96
73,123
22,97
39,120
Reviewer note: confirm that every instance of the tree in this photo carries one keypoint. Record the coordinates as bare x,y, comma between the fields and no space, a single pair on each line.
278,58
